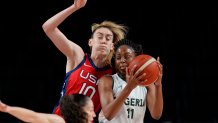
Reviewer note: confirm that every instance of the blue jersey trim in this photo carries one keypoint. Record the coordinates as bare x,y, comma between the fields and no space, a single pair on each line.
63,91
97,68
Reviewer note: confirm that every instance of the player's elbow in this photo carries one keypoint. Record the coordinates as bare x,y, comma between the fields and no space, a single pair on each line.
109,117
156,116
45,27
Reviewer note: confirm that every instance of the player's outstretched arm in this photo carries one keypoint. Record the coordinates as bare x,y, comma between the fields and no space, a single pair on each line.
30,116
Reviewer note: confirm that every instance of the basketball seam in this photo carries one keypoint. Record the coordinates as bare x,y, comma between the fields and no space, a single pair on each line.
145,65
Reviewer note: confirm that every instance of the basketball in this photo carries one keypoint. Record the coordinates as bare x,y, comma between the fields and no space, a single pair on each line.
146,64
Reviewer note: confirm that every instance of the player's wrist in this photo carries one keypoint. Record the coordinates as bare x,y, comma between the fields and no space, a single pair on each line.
157,84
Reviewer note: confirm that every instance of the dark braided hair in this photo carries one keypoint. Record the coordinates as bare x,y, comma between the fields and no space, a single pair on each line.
71,108
136,47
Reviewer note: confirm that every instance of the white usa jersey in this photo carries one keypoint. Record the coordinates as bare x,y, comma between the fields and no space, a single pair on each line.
133,110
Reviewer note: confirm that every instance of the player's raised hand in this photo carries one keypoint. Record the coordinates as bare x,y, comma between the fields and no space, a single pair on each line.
133,79
79,3
159,80
3,107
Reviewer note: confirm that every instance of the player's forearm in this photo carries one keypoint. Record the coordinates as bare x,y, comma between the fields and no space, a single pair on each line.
158,107
57,19
23,114
114,107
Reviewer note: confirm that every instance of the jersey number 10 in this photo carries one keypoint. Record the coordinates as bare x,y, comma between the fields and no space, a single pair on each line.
87,90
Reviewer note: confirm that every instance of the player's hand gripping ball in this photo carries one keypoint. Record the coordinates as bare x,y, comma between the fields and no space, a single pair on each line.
148,65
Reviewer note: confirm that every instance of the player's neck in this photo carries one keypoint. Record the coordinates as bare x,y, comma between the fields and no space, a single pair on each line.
99,61
121,76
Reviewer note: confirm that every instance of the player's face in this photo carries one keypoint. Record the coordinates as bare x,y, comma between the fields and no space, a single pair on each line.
123,56
89,109
102,41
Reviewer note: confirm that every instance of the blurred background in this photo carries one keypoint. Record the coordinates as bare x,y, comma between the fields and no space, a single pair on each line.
185,38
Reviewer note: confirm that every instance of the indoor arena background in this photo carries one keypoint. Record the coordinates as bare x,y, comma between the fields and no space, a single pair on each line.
184,36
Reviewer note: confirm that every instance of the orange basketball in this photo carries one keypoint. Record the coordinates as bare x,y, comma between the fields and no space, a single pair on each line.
147,64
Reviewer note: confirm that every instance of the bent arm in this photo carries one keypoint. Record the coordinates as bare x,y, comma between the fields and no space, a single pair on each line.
67,47
155,95
111,106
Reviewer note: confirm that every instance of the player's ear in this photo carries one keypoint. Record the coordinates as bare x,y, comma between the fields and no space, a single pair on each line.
90,42
112,46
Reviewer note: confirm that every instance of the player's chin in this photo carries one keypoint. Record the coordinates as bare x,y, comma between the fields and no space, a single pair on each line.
103,52
122,71
90,120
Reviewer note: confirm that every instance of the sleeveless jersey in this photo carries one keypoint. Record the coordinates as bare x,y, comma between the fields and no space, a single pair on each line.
133,110
83,80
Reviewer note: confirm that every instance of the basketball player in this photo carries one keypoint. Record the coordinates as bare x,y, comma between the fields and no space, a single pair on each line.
122,99
83,69
76,108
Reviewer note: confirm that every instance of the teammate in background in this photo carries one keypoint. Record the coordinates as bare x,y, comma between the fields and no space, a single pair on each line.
76,108
83,69
123,100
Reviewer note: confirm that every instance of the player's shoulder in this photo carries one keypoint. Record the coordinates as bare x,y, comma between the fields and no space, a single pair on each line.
105,79
107,76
